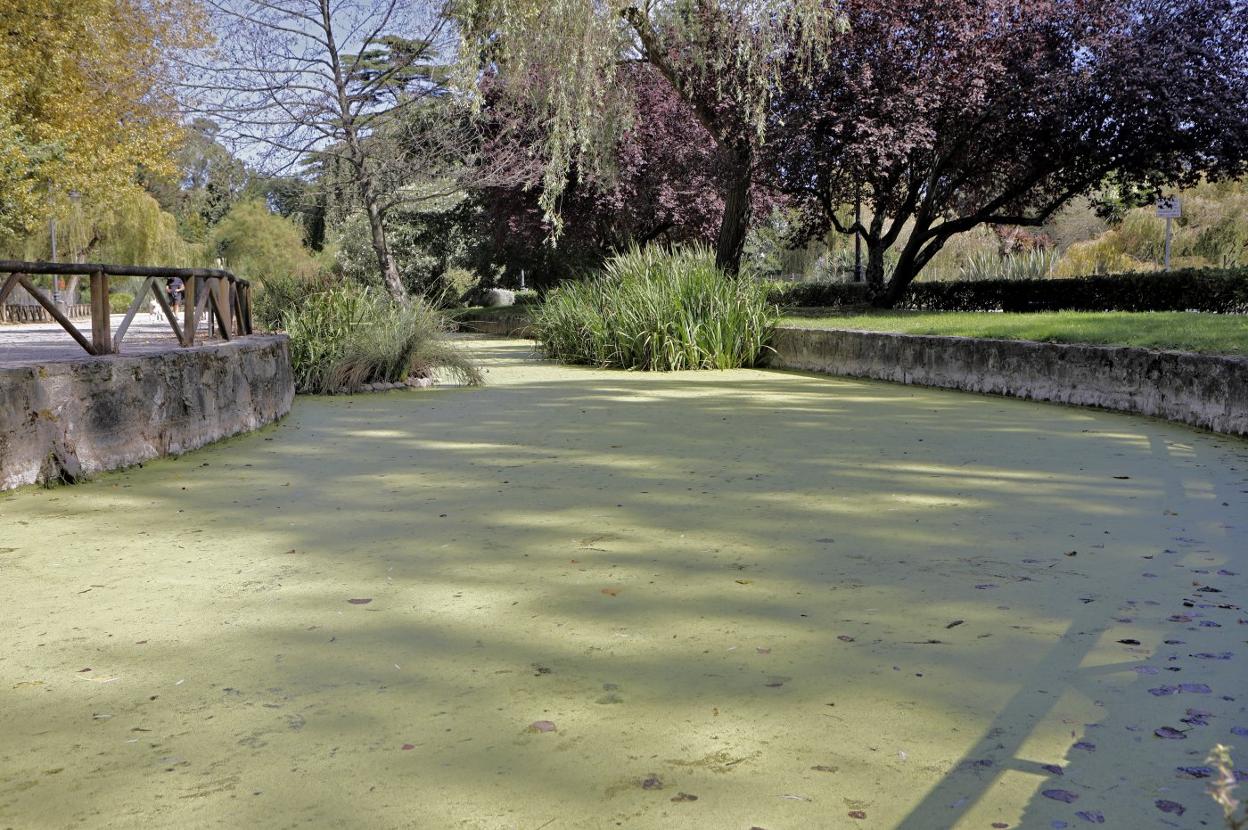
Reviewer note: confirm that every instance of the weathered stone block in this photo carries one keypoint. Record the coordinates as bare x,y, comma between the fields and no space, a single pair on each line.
69,419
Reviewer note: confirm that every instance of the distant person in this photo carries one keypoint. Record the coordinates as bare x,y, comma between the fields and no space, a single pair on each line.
177,291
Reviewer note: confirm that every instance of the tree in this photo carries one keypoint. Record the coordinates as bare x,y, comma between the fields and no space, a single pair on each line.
85,100
319,80
946,116
558,58
260,244
207,183
667,185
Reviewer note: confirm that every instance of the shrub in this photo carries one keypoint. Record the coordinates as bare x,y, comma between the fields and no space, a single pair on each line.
1024,265
280,294
1101,256
346,336
119,302
1208,290
257,244
457,284
657,310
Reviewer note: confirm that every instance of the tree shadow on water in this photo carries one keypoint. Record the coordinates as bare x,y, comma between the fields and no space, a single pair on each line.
794,598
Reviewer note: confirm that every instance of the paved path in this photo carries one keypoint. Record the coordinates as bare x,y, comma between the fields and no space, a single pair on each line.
32,343
579,599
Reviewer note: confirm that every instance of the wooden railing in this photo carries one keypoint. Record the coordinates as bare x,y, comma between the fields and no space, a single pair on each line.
224,297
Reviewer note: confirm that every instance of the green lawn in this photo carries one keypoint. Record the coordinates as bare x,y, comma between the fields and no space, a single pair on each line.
1214,333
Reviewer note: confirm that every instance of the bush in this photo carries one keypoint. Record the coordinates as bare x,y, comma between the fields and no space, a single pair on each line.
657,310
457,284
1023,265
119,302
346,336
281,294
1208,290
257,244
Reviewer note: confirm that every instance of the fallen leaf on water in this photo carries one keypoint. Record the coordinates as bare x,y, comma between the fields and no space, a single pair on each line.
360,601
1064,796
1195,772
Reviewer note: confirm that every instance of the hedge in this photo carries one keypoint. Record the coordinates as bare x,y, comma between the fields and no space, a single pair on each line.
1222,291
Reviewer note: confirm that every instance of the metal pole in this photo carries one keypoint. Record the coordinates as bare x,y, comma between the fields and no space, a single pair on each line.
56,280
1167,243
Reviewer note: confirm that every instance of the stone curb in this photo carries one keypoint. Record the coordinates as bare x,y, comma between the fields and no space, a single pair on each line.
1205,391
62,421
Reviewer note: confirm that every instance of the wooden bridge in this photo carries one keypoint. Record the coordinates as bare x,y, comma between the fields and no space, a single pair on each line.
221,298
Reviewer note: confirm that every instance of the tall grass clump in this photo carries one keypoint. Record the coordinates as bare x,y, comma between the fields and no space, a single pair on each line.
345,336
1035,264
658,310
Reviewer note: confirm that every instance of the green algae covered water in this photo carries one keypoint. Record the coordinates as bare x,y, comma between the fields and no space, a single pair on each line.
584,599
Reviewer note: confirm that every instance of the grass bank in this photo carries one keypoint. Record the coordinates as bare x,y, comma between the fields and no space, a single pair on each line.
1184,331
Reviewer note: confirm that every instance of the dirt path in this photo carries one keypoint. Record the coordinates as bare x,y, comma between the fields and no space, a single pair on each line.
796,600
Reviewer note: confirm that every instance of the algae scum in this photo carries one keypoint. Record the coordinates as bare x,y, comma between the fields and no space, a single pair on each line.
582,599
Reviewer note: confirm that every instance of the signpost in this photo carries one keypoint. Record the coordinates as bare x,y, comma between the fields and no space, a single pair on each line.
1168,208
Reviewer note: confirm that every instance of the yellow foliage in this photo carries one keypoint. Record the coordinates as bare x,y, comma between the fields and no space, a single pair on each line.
1103,255
86,98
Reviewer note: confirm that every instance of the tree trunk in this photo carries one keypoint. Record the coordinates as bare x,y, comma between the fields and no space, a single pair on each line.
385,259
902,277
912,260
737,211
875,263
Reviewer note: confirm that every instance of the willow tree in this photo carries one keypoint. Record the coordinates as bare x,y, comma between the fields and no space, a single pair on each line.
556,60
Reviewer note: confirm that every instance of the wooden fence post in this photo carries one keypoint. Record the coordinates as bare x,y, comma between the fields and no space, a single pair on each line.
188,311
101,321
247,323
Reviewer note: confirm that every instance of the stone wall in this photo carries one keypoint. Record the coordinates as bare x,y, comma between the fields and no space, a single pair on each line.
504,324
1206,391
64,420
